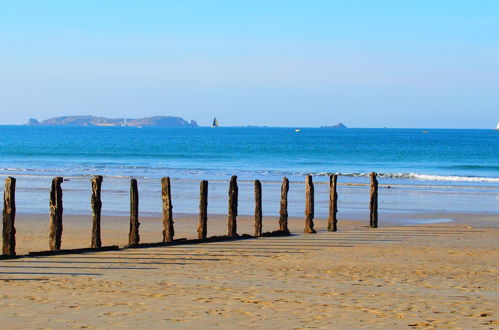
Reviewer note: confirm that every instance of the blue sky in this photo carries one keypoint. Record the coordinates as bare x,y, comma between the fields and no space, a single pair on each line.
277,63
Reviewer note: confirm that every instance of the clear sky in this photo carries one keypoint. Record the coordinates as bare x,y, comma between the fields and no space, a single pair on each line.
372,63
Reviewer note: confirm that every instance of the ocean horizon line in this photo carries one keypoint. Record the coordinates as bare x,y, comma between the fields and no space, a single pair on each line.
257,126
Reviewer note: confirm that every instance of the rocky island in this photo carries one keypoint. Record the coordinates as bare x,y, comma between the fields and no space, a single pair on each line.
158,121
339,125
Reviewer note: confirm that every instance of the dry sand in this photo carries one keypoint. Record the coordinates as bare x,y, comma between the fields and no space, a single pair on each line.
426,276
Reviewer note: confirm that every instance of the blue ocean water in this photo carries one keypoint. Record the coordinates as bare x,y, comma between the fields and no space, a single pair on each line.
446,160
267,153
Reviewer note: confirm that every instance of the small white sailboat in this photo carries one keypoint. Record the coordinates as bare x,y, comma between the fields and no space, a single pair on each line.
215,123
497,127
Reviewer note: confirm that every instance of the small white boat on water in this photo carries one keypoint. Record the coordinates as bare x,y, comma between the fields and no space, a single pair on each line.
297,130
497,127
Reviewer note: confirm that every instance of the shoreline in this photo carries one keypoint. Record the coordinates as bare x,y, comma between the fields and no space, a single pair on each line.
406,179
32,229
32,196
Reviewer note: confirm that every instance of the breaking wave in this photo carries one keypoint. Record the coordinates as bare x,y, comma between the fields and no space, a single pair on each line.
422,177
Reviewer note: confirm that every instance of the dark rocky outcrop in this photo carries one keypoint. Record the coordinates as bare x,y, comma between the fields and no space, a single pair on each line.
32,122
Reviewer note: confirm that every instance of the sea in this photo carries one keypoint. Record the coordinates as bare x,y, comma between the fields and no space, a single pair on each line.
434,171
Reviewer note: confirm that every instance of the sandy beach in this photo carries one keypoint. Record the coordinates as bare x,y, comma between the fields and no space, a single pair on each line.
424,276
116,114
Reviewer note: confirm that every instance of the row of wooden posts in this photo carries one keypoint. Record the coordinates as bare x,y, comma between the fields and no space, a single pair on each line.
56,210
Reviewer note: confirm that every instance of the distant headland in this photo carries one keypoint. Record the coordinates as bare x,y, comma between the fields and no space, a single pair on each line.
159,121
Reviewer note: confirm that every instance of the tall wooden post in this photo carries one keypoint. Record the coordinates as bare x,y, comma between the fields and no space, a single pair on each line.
133,235
168,229
232,217
309,205
333,204
203,210
9,217
258,208
283,213
96,204
373,204
56,210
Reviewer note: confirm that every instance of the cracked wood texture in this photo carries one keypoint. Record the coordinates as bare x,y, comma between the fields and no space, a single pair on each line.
203,210
232,216
309,205
333,204
9,216
56,210
168,229
373,204
283,213
96,204
258,208
133,235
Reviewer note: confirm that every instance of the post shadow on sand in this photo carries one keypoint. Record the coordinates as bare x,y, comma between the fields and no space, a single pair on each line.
56,216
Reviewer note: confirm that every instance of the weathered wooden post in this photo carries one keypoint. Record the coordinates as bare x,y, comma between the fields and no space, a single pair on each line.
333,204
203,210
309,205
9,217
232,218
56,211
283,214
133,235
373,204
258,208
96,204
168,229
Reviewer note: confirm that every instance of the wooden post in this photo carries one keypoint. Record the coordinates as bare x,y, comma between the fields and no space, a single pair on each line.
283,214
232,217
258,208
56,211
9,216
133,235
168,230
203,210
333,204
96,204
373,204
309,205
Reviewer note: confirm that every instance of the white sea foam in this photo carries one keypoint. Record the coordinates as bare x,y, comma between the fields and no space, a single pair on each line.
422,177
428,177
195,174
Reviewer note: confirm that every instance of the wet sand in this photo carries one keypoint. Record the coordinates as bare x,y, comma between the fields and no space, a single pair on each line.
442,275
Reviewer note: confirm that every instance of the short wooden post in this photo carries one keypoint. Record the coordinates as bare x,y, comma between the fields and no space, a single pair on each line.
309,205
333,204
96,204
203,210
258,208
133,235
9,217
373,204
232,217
168,229
56,210
283,214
